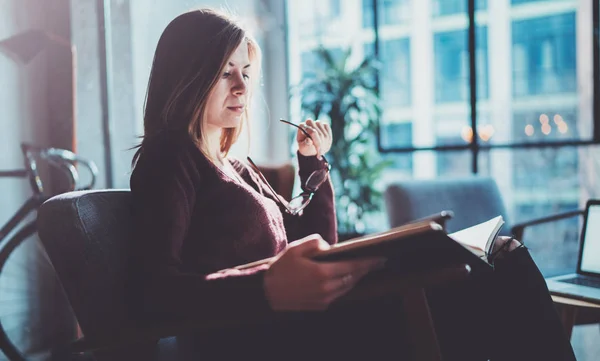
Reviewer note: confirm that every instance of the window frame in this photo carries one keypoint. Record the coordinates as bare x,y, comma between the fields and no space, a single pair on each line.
474,145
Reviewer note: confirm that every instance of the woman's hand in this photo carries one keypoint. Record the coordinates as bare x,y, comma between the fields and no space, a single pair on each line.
321,138
501,245
294,282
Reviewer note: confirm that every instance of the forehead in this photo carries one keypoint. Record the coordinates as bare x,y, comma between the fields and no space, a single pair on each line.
240,56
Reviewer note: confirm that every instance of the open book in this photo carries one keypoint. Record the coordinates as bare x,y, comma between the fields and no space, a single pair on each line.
417,246
480,238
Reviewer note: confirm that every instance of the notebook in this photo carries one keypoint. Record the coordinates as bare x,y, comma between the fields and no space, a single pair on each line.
585,283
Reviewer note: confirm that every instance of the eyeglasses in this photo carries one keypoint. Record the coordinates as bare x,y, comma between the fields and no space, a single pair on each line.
313,182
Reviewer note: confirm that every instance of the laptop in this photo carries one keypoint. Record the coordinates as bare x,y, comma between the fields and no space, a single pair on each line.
585,284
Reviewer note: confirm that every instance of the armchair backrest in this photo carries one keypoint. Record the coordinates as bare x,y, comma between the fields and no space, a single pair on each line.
86,235
472,199
281,178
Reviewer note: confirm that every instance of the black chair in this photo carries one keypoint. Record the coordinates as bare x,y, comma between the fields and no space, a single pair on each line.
86,235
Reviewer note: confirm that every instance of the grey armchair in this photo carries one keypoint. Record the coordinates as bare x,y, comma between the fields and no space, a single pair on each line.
471,200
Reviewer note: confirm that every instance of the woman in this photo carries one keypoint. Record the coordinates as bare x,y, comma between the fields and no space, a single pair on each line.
198,212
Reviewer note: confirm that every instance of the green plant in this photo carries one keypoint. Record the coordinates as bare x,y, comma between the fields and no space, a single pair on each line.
347,97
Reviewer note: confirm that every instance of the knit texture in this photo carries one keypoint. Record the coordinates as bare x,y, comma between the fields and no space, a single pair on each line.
192,220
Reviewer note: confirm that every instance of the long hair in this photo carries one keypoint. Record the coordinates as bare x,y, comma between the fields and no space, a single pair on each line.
191,54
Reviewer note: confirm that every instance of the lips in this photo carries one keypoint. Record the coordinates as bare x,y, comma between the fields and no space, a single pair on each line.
236,108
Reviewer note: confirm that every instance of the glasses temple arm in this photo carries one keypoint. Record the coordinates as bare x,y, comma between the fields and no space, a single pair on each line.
264,179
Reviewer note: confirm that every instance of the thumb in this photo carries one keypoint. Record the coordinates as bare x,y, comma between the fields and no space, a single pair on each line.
309,245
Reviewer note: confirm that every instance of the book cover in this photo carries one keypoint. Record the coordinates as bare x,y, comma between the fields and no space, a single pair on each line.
417,246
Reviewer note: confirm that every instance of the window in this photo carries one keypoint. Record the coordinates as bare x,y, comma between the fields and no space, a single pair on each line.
544,55
312,64
534,102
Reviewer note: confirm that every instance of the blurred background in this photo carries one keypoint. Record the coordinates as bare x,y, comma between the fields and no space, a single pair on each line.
438,89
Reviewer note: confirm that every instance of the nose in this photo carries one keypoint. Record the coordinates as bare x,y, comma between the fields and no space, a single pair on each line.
239,87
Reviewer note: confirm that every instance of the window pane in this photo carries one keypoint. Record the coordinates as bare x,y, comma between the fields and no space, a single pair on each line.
390,12
451,117
516,2
535,84
451,51
454,163
318,19
395,72
345,95
449,7
544,55
539,124
313,64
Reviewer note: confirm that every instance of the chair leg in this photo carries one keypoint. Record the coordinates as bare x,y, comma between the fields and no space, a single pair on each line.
422,330
567,315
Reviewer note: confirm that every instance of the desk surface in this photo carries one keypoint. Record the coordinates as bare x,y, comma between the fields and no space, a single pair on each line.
573,302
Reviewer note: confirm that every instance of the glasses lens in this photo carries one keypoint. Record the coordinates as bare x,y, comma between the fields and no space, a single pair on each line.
315,180
300,202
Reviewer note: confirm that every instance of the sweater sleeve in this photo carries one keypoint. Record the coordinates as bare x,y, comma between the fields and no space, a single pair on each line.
163,186
319,216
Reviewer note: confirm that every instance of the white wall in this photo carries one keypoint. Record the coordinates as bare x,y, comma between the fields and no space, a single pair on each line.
22,100
24,118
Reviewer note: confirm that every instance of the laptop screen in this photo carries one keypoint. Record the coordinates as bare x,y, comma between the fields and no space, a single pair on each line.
590,254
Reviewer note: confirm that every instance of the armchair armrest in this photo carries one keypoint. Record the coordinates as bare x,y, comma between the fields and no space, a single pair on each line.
440,218
377,285
518,229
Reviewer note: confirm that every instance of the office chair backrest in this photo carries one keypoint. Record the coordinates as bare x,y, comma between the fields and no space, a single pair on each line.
86,235
472,199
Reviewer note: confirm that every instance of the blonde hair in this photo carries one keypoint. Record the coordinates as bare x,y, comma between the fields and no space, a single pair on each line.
190,57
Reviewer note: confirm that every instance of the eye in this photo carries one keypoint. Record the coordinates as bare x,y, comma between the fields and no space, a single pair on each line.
226,74
246,76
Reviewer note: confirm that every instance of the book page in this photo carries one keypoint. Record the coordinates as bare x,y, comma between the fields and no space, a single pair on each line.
480,236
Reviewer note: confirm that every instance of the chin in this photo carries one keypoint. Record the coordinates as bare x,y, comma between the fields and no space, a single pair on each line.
231,124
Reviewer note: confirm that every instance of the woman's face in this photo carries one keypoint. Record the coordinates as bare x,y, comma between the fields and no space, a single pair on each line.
227,100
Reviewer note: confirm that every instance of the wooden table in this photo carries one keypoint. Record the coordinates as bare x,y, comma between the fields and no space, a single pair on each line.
569,308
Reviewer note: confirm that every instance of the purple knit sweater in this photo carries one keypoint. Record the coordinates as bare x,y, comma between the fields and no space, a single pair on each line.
191,220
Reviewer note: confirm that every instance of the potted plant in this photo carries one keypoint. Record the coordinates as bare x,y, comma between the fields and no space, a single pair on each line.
347,97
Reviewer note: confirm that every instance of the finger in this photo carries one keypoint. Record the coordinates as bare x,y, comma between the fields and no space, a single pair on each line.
306,124
342,268
304,138
339,283
301,137
317,126
307,128
342,290
326,136
308,245
316,139
328,130
301,134
320,126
